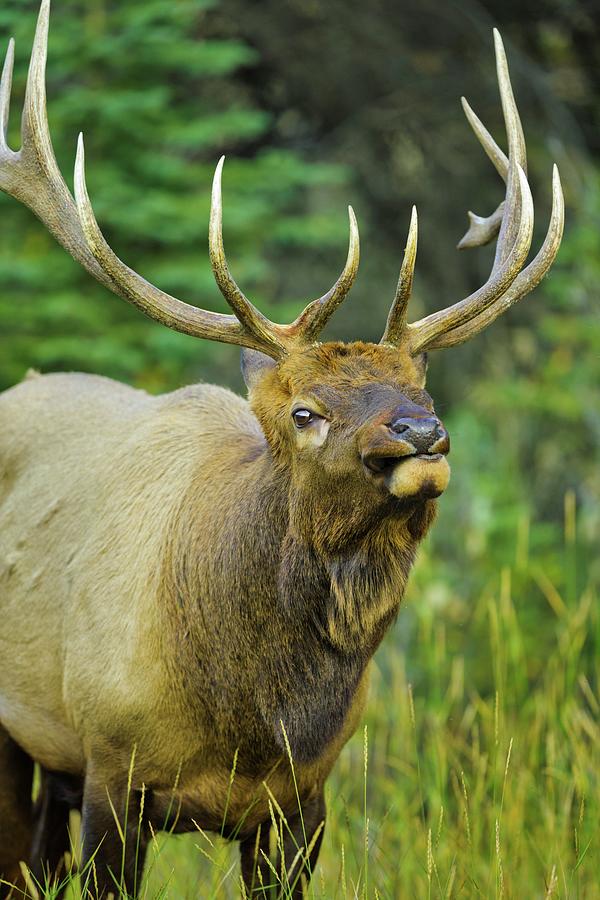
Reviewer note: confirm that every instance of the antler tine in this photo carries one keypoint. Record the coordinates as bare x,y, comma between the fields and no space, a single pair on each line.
254,321
424,333
483,229
315,316
5,89
396,321
31,175
524,283
151,300
517,151
497,157
516,227
34,125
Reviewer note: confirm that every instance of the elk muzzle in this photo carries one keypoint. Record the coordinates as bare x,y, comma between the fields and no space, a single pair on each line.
406,453
423,435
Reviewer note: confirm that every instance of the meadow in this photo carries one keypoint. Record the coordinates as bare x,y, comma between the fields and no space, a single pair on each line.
476,772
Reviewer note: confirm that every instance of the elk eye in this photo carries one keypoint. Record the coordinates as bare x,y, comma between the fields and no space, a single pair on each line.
303,417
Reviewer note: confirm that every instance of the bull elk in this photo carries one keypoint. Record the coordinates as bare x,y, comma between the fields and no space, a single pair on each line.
198,578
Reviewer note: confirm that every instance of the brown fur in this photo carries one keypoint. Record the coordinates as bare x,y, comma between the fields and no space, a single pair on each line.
200,581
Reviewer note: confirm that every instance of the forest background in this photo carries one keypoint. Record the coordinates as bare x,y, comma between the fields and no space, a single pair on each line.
320,103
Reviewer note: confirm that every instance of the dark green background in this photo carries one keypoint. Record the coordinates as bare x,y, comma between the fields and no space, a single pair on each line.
316,104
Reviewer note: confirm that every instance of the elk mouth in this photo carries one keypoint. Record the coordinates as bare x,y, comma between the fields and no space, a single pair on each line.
413,477
384,465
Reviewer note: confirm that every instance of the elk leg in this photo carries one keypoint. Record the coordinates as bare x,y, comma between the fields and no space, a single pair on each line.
59,794
256,873
306,835
116,852
16,812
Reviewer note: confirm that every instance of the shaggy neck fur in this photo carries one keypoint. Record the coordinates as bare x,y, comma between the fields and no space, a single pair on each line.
310,589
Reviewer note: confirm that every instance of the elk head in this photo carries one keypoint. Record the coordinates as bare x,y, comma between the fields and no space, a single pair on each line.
353,419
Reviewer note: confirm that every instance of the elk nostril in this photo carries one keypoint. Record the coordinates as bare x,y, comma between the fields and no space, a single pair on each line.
399,426
422,434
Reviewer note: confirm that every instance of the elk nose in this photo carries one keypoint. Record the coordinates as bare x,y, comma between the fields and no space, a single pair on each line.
427,435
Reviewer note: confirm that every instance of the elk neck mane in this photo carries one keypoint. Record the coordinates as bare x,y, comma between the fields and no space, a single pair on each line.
291,585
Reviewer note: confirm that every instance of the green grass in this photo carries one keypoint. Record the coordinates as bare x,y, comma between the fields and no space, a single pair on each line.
478,770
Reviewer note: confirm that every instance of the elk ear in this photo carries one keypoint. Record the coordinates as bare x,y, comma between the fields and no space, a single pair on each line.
254,366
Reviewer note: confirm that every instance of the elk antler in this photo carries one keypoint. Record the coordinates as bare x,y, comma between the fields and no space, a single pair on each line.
32,176
512,222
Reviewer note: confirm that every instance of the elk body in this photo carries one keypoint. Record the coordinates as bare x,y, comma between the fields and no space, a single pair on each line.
195,583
